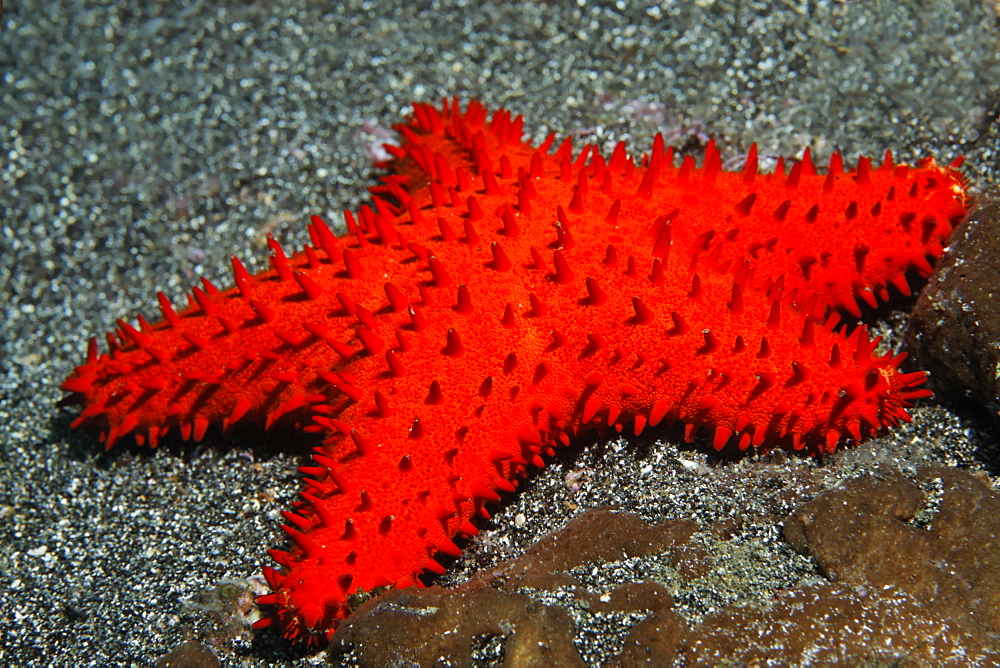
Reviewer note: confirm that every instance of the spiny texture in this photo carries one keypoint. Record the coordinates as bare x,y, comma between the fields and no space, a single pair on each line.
498,300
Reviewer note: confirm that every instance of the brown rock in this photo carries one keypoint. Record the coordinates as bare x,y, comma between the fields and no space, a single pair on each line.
654,641
940,547
830,624
955,327
633,597
916,581
425,626
848,529
189,654
600,535
433,626
916,575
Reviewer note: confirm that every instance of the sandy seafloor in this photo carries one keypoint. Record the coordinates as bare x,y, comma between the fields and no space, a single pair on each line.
142,144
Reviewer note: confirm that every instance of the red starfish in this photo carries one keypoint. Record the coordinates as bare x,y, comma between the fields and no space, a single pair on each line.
499,300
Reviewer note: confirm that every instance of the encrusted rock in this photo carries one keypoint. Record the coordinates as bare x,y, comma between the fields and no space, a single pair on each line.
424,627
912,578
421,626
936,542
955,328
830,624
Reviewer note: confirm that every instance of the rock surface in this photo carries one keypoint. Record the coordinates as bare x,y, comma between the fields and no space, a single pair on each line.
912,577
936,540
955,328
